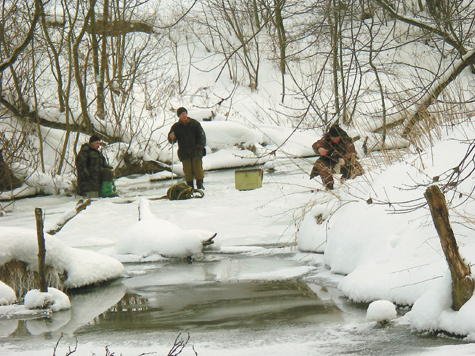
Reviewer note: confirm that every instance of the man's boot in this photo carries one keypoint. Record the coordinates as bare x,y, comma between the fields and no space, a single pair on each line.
199,184
190,183
327,181
329,186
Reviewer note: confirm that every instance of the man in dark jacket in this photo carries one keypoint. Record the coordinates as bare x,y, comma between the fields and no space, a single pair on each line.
191,146
92,168
335,148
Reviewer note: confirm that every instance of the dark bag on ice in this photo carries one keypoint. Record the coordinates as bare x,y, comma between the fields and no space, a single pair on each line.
182,191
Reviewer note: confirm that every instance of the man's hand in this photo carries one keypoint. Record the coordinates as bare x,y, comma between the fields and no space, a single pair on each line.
172,136
322,151
341,161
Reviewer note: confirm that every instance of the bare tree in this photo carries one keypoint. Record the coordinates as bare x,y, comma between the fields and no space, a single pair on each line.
239,37
453,25
95,53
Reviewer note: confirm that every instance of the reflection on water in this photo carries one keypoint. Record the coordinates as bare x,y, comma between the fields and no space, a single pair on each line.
217,306
85,307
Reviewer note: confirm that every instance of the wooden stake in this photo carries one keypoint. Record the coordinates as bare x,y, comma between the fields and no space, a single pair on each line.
462,281
41,250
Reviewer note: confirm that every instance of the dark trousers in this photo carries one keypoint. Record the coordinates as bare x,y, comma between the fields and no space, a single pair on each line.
193,168
325,167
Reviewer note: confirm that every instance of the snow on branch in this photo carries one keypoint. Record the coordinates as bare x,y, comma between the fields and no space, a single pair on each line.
68,215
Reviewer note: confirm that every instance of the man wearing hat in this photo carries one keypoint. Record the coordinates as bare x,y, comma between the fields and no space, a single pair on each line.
335,149
92,168
191,146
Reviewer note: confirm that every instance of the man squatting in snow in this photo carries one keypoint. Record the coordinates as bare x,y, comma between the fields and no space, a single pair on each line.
335,148
92,168
191,146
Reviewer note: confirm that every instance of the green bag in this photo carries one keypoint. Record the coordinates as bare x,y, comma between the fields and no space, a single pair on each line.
182,191
108,189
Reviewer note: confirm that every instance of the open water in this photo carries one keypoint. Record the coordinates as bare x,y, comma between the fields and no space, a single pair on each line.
152,306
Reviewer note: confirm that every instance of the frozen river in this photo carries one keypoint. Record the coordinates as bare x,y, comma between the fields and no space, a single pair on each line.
253,293
148,309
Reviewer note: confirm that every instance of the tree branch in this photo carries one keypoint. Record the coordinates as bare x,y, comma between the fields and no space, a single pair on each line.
28,38
433,94
33,116
444,35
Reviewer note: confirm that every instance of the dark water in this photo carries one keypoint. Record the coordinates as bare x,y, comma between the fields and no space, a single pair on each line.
216,306
159,301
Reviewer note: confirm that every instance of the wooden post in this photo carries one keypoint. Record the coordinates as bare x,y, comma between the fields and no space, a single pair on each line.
462,281
41,250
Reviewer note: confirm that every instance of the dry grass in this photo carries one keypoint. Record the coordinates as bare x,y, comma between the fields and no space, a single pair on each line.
21,278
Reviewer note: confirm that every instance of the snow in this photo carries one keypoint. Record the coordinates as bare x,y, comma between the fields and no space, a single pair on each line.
7,295
373,251
375,254
54,299
394,256
381,311
152,235
83,267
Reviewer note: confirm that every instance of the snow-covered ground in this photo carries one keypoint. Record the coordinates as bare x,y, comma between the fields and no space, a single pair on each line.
373,251
354,241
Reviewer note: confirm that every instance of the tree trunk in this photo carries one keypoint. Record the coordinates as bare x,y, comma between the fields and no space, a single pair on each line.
282,38
462,281
7,180
86,120
333,23
33,116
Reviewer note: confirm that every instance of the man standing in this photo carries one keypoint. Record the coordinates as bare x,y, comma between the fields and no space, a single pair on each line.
92,168
335,148
191,146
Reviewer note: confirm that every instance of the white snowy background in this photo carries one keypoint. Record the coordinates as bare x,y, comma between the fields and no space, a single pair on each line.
372,252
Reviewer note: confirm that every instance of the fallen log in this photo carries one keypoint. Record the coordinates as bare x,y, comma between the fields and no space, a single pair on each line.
119,27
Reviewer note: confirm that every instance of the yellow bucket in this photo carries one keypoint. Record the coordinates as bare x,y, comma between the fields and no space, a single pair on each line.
247,179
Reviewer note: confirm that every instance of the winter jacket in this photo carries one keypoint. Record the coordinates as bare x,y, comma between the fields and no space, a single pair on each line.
92,169
342,149
191,139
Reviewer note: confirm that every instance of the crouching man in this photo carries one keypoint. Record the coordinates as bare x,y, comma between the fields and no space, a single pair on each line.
335,149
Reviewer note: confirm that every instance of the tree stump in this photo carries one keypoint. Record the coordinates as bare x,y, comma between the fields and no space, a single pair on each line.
462,281
7,180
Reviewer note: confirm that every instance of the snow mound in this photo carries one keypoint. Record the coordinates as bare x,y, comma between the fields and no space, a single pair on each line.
152,235
82,267
7,295
54,299
381,311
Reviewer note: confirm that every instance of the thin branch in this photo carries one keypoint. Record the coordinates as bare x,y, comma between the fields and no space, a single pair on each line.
28,38
80,206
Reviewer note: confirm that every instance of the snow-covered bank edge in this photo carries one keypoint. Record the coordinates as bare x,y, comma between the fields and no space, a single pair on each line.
82,267
386,254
